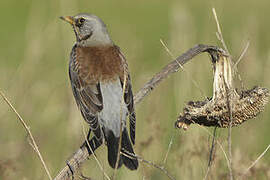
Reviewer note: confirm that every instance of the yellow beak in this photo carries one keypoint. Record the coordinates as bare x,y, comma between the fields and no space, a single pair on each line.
68,19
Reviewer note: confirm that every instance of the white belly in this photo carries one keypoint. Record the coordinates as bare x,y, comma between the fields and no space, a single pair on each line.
112,106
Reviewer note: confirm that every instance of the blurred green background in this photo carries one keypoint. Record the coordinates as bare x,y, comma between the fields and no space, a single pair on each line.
35,47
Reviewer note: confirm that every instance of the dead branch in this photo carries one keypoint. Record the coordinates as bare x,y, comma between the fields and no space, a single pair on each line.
83,152
172,67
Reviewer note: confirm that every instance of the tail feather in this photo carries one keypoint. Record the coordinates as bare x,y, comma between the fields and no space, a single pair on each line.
130,162
112,143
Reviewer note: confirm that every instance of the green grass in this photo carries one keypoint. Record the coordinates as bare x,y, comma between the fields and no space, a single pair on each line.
35,48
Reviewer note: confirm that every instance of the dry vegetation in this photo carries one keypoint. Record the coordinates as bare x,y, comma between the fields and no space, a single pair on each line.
33,75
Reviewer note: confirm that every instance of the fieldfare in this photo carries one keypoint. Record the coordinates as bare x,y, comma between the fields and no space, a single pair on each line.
97,71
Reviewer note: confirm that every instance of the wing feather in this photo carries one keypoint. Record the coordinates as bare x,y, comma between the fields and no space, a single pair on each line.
128,96
88,96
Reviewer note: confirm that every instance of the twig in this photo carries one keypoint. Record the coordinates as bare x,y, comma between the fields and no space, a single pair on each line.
167,49
27,128
256,161
230,150
212,147
220,37
82,154
222,149
169,148
219,33
211,153
241,55
229,104
239,59
161,168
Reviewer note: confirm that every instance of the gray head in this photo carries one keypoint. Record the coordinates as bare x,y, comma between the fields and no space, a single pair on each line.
89,30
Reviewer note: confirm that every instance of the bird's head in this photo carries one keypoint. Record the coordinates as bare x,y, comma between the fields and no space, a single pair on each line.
89,30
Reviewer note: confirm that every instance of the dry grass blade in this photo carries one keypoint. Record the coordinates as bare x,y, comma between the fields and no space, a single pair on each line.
211,153
212,148
220,37
219,33
161,168
229,104
99,164
229,93
121,125
168,51
221,147
195,83
237,62
169,148
256,161
27,128
242,55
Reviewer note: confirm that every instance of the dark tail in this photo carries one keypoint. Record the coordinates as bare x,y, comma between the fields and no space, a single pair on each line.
112,143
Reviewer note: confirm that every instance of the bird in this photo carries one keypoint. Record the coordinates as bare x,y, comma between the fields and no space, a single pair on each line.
101,86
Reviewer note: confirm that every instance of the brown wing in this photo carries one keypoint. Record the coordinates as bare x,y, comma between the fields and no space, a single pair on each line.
88,96
128,96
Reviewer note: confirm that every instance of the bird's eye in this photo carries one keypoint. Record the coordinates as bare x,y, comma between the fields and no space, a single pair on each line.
80,22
